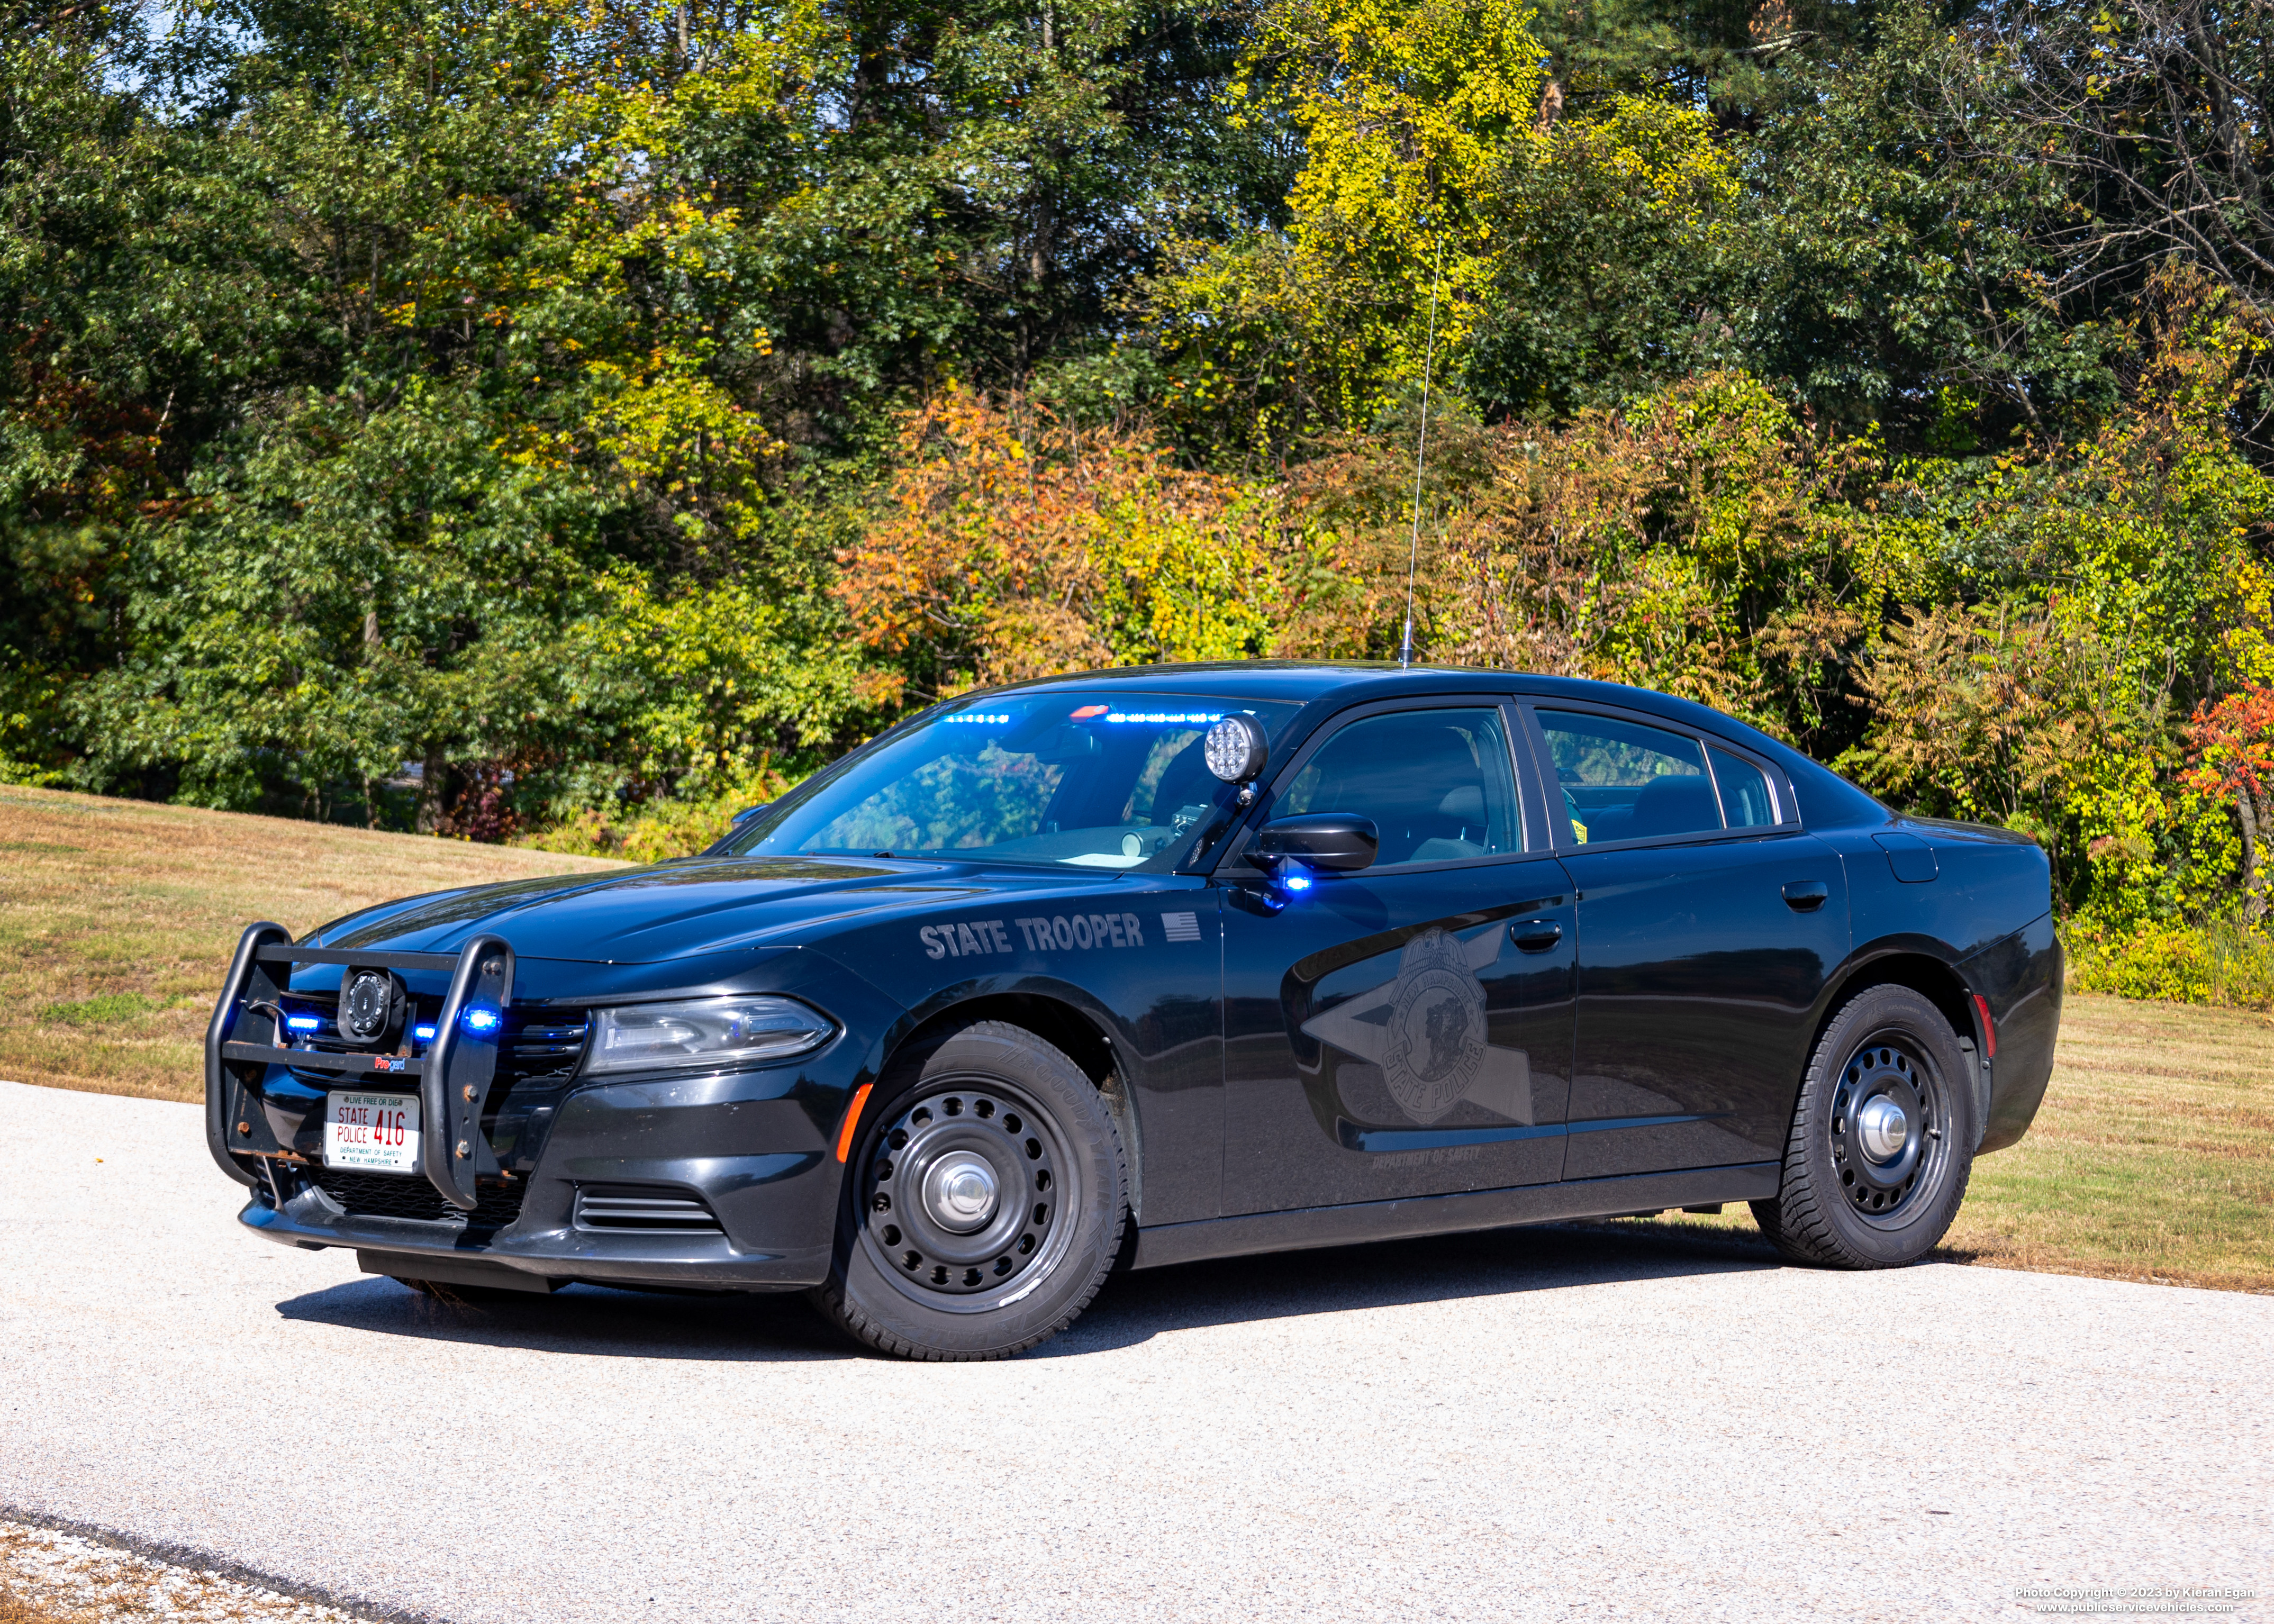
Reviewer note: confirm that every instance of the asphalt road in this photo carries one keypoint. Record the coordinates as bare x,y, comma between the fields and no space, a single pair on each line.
1536,1424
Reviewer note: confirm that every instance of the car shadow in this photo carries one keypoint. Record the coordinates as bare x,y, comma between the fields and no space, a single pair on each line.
1131,1308
1134,1308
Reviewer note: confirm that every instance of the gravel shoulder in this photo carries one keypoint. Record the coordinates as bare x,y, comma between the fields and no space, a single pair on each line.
55,1576
1529,1425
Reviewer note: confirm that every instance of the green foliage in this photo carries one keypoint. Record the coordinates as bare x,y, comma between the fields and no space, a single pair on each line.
576,422
2220,962
660,830
2059,613
1443,219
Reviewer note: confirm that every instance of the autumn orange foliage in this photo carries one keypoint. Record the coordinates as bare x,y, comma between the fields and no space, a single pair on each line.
2231,752
1016,545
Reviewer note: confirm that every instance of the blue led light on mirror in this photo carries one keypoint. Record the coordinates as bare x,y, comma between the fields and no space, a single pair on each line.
303,1023
1295,880
480,1021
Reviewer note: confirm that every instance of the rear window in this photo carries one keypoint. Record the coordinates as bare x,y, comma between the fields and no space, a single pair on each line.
1623,780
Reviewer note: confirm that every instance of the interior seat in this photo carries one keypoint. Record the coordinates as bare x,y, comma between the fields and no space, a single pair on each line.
1677,804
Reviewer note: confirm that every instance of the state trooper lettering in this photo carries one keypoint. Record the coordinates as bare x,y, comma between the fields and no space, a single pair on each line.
979,936
1070,933
1082,930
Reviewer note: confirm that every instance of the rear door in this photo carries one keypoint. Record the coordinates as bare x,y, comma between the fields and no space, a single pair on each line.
1405,1030
1708,923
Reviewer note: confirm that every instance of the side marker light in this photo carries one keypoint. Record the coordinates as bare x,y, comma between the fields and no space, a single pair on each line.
852,1121
1989,1027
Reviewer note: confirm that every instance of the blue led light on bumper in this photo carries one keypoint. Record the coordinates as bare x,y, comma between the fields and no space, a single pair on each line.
480,1021
424,1034
303,1023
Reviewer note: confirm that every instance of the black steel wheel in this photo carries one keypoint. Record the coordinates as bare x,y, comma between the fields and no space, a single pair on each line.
1882,1138
983,1204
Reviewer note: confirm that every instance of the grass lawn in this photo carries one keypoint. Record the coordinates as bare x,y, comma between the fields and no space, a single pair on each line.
2153,1158
118,918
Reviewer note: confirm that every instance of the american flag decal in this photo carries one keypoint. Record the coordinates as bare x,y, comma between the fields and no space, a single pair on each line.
1180,927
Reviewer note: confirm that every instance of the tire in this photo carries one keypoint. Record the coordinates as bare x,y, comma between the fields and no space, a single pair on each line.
1852,1197
932,1259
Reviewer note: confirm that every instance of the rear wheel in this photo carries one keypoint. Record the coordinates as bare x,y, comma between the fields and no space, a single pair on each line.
983,1202
1882,1139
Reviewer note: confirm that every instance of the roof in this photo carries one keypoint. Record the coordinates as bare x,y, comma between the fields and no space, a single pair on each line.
1301,682
1834,800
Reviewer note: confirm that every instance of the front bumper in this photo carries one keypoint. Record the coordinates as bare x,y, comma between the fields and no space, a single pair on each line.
722,1180
741,1149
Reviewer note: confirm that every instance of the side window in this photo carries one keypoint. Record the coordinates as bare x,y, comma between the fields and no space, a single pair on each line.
1624,781
1437,784
1747,802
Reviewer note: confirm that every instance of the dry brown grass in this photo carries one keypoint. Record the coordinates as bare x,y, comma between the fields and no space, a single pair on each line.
118,918
2151,1159
28,1609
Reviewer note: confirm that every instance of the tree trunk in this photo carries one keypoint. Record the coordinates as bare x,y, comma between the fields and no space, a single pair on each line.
433,791
2253,881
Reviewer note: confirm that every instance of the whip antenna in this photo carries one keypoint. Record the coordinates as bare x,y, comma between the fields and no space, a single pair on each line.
1420,449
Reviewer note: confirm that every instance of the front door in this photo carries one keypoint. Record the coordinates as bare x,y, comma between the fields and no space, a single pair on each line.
1708,923
1405,1030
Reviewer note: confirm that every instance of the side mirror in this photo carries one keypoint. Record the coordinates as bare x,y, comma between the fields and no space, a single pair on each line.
1340,842
748,813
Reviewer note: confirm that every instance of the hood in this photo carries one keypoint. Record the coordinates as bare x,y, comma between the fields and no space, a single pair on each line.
646,915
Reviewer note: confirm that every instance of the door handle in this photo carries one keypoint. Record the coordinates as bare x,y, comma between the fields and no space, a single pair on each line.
1806,896
1535,935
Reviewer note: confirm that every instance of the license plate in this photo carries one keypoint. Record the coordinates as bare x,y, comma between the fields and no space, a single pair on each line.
378,1132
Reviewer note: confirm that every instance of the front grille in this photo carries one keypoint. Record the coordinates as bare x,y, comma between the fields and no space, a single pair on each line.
542,1048
398,1195
633,1207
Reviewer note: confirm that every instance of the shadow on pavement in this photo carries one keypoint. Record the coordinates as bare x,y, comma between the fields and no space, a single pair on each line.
1133,1308
1130,1309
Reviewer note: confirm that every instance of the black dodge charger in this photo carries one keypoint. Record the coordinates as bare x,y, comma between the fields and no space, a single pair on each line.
1155,965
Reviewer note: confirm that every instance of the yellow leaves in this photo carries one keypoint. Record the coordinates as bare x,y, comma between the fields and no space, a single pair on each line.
1426,169
1015,546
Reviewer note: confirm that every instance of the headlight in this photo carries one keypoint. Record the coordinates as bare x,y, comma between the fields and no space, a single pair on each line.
642,1037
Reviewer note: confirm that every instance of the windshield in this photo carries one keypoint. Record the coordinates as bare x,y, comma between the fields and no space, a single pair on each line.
1087,780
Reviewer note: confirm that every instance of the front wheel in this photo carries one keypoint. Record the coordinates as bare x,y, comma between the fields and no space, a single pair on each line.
1882,1139
983,1204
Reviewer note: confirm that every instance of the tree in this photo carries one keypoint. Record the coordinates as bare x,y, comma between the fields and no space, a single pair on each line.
1017,546
2231,756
